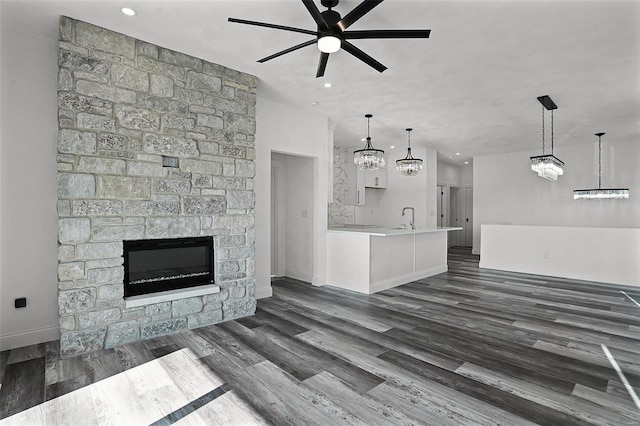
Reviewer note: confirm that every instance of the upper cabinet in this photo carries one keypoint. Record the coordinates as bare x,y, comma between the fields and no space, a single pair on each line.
375,178
358,180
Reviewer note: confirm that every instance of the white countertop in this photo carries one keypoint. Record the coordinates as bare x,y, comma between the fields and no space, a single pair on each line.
387,232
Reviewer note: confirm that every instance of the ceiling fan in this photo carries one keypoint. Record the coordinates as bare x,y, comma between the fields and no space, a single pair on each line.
332,33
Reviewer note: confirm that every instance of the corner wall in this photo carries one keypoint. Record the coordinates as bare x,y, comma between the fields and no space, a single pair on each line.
290,130
28,186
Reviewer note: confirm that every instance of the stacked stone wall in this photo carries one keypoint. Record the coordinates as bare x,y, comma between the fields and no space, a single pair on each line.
123,105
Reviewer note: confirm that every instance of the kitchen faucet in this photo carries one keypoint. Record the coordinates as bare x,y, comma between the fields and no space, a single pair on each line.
413,218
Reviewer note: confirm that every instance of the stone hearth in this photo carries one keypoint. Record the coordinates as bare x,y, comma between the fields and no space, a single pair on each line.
123,105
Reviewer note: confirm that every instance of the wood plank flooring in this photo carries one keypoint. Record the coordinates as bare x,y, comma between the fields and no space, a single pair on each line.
467,347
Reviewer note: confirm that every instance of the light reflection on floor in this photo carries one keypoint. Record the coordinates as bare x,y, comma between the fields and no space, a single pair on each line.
160,391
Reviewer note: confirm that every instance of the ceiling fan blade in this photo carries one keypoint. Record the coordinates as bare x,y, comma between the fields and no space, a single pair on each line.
277,27
387,34
357,13
291,49
315,13
362,56
322,65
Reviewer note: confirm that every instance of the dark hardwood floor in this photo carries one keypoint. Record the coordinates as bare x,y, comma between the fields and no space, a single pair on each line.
470,346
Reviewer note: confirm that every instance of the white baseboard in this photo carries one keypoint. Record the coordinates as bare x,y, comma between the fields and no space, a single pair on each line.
29,337
394,282
318,281
297,275
263,293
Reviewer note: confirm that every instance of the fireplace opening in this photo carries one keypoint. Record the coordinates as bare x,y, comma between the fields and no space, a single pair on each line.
151,266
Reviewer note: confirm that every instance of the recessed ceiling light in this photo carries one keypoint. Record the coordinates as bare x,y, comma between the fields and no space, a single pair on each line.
457,153
466,162
328,85
392,146
363,139
128,11
313,103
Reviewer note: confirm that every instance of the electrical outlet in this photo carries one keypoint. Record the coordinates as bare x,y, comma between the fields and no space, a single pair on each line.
172,162
20,302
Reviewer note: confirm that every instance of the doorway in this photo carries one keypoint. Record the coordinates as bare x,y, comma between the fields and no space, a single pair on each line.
292,216
454,214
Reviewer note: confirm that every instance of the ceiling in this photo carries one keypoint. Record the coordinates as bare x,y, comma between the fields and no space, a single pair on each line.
470,88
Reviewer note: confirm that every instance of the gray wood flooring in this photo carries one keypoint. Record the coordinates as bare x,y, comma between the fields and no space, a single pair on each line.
470,346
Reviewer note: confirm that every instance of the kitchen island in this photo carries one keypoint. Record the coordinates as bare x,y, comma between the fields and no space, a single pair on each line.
368,260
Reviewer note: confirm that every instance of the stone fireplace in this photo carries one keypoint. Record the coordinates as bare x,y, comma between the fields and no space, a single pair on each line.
153,144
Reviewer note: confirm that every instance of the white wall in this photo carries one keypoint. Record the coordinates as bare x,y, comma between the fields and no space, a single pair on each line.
506,191
384,206
290,130
448,174
466,175
299,217
594,254
28,217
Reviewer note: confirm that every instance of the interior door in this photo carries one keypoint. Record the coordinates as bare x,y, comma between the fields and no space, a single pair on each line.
468,221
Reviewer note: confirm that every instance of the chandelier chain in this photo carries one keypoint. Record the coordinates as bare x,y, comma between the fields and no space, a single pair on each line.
551,132
543,130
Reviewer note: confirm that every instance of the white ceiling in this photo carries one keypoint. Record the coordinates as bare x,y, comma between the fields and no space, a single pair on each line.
470,88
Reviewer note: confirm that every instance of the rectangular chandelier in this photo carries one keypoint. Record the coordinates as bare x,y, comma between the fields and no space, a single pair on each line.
547,166
601,194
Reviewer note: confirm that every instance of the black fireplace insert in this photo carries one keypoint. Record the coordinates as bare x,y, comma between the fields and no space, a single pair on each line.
151,266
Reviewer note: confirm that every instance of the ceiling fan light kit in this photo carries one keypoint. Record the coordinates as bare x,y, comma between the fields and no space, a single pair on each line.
329,44
332,35
409,166
547,166
369,158
600,194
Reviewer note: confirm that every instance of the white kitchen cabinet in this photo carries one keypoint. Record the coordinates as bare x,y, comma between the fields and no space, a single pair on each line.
358,180
360,185
376,178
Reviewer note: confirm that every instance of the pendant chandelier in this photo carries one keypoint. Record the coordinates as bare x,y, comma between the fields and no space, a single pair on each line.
409,166
600,194
547,166
369,158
